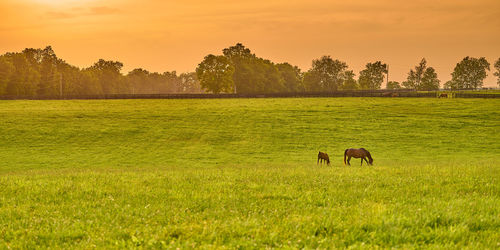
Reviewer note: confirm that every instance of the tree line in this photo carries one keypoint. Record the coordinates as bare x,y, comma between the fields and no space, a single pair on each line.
39,72
238,70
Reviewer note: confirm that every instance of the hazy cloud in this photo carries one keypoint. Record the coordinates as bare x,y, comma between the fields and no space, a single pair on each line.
103,10
59,14
79,12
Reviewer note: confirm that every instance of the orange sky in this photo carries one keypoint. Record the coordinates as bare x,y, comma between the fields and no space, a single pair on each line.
165,35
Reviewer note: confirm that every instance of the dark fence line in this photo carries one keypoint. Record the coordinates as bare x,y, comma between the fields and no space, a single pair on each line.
475,95
358,93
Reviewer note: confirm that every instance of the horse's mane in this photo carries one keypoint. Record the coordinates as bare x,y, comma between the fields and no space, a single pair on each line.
367,153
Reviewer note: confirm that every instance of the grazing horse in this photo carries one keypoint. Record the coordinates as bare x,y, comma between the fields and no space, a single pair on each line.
357,153
444,95
323,157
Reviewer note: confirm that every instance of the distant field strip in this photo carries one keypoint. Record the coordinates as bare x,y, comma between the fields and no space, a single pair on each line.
344,93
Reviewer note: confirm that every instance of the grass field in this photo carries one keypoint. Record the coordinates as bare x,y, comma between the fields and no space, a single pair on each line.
242,173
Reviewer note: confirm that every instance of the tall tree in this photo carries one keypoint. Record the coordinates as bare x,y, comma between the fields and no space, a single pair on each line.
69,78
26,76
189,83
241,59
449,85
470,73
312,81
172,82
6,73
373,75
251,73
292,77
50,78
141,81
349,82
325,74
430,80
109,77
138,80
216,74
265,77
237,51
497,73
422,78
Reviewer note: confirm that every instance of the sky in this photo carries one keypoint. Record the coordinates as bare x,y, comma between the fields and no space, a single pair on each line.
167,35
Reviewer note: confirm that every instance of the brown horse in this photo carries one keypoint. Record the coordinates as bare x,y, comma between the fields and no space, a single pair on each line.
323,157
444,95
357,153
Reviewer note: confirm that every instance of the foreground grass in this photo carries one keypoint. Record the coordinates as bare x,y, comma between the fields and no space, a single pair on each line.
242,173
272,206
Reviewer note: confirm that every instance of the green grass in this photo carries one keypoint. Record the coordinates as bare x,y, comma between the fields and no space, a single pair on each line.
242,173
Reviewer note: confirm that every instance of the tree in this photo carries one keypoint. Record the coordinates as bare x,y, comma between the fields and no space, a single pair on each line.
429,80
69,78
325,74
171,82
470,73
237,51
349,82
393,85
87,83
189,83
109,77
6,72
449,85
292,77
49,76
373,76
312,81
141,81
241,58
422,78
138,80
497,73
216,74
253,74
25,78
265,77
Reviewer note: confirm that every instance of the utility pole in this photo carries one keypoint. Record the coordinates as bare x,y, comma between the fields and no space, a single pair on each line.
387,80
60,86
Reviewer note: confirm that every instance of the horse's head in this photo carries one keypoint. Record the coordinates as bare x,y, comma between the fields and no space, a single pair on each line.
328,161
370,161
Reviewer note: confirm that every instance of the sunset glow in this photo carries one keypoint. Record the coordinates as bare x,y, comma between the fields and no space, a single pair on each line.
176,35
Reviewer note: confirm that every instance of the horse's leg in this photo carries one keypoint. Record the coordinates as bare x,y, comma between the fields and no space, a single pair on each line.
348,161
317,162
362,161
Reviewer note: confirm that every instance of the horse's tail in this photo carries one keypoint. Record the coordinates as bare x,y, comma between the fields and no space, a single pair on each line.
345,154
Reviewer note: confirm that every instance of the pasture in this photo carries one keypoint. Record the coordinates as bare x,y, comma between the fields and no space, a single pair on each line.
235,173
